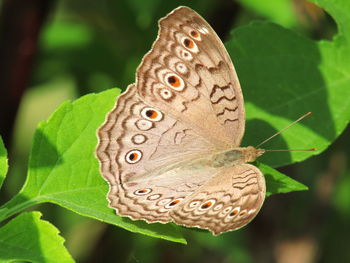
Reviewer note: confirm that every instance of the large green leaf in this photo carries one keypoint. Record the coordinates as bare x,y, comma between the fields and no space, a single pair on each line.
30,239
63,168
284,75
3,162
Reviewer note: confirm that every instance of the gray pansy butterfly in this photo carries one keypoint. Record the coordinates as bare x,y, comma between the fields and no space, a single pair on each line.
170,147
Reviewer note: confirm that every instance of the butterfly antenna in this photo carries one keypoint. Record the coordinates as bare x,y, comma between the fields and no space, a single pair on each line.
303,150
285,128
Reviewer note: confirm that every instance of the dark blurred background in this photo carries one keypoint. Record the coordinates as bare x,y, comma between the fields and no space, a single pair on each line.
51,51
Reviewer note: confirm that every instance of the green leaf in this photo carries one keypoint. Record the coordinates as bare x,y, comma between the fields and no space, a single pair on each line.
278,183
3,162
28,238
284,75
63,168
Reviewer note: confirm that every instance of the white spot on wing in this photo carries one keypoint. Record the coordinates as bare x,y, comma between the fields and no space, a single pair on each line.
203,30
138,139
144,125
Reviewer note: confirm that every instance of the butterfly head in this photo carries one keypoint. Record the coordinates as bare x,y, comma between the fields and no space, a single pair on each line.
250,153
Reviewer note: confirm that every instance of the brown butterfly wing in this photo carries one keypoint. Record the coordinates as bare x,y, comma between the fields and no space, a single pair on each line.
226,202
147,159
189,75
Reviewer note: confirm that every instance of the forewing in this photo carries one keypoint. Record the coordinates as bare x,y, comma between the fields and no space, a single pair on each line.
189,75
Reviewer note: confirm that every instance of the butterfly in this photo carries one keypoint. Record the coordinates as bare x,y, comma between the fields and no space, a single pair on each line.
170,148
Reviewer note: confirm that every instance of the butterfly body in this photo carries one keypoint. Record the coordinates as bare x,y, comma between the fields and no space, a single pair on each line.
170,148
236,156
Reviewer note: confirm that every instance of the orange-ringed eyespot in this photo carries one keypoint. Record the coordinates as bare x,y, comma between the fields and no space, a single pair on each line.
133,156
174,82
151,114
143,191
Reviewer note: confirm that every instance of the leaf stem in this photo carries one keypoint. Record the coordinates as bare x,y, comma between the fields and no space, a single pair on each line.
17,204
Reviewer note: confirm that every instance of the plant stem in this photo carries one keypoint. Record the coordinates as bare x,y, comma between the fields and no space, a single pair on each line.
17,204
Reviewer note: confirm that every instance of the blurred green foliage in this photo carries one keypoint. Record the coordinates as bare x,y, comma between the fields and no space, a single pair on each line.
3,162
91,46
278,11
